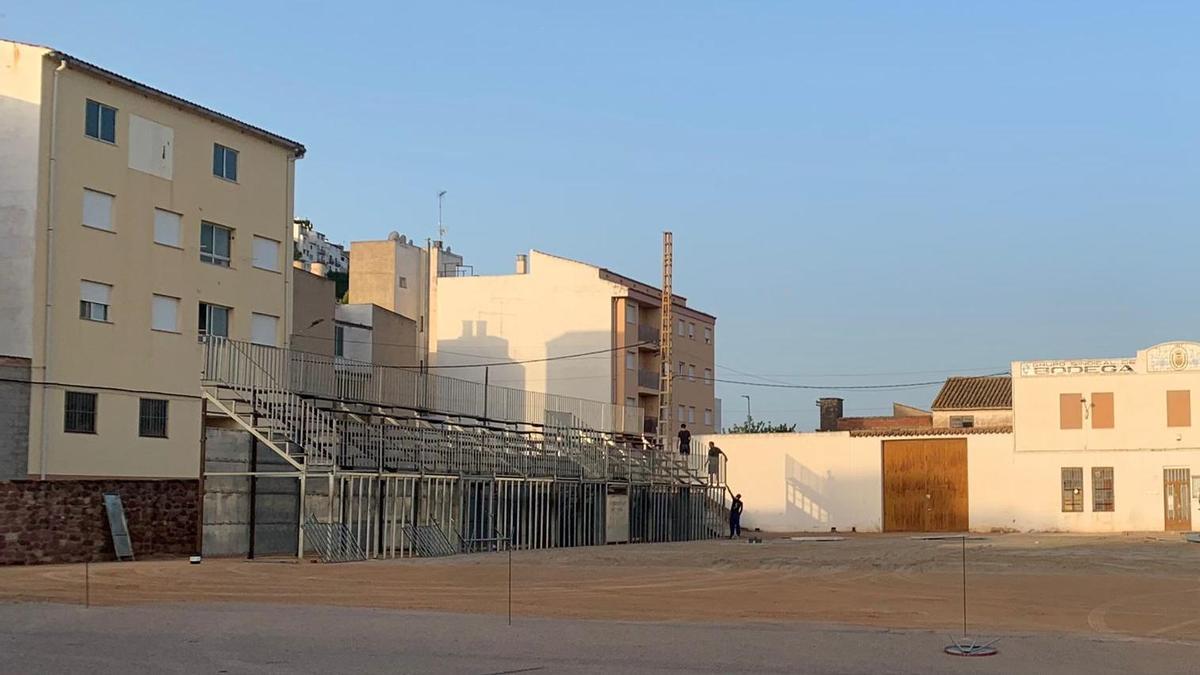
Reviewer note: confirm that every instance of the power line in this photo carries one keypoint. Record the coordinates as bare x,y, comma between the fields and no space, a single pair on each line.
548,358
888,374
898,385
123,390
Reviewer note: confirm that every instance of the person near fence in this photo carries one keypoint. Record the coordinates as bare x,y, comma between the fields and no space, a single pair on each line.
735,517
714,462
685,440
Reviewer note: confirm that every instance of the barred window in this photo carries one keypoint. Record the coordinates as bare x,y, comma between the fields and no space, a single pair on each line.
79,413
152,418
1072,489
1102,488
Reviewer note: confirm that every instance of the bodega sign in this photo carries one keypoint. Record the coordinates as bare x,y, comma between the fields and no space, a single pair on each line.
1078,367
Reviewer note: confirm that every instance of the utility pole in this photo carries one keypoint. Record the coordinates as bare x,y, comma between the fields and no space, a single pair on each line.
747,397
666,330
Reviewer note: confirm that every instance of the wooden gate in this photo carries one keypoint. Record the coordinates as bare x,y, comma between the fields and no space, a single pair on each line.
925,485
1177,500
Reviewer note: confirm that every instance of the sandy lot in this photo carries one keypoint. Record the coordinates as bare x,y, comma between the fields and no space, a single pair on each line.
1123,585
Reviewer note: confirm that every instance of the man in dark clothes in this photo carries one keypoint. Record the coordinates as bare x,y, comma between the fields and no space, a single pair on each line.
714,462
735,517
685,440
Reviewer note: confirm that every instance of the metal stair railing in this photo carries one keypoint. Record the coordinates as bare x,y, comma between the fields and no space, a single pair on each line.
259,374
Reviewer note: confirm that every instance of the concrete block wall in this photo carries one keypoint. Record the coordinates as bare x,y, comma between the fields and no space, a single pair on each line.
64,521
227,499
14,418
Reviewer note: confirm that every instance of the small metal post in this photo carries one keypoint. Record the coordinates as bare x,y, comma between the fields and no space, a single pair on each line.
510,583
964,578
87,584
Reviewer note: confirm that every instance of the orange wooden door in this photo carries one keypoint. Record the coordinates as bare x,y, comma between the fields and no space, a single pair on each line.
1177,500
925,485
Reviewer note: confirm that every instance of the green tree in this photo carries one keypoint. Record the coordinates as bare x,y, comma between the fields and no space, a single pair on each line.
753,426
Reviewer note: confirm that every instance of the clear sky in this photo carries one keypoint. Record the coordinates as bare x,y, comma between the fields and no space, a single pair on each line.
861,192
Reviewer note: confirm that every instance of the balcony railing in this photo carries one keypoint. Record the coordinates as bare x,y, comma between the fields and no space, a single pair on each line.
647,333
648,379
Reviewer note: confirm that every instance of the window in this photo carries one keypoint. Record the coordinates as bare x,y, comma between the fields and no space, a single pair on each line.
1102,488
1179,408
692,373
164,313
682,369
214,320
962,421
214,244
630,402
707,335
79,413
94,300
692,331
263,329
1072,489
339,340
167,227
1102,410
97,210
708,420
630,361
266,254
1070,412
631,312
691,414
225,162
682,413
682,328
100,122
708,376
402,282
152,418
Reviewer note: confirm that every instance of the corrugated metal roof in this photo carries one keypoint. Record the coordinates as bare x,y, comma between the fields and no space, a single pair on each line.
975,393
934,431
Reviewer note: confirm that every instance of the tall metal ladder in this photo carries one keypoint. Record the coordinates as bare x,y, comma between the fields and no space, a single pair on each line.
666,332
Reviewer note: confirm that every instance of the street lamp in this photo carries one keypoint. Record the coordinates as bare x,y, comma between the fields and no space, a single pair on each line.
747,397
441,230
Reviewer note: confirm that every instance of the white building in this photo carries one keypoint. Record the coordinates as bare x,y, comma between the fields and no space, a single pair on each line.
1095,445
313,247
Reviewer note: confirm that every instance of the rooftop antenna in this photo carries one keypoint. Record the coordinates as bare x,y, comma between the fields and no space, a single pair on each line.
441,230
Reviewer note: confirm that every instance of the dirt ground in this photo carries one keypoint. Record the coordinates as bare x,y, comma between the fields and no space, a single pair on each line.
1119,585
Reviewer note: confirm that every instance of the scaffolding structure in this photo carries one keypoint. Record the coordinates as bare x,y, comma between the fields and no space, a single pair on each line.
385,456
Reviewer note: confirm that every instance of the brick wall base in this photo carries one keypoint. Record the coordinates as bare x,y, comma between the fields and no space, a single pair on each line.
64,521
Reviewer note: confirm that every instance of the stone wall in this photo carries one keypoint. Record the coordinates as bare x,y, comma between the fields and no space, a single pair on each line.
14,418
64,521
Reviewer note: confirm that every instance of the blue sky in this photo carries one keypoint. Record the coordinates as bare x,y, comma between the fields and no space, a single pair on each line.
861,192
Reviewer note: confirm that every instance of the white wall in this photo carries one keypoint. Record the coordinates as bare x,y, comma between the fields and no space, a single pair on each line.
20,99
804,482
559,307
814,481
1023,490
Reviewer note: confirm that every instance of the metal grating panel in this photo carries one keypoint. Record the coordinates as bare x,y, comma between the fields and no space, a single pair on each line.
335,542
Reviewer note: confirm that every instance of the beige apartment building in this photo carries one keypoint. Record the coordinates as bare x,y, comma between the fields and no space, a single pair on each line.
521,325
132,220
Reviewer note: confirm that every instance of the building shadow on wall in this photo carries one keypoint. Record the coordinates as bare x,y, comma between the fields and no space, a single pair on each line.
807,493
474,345
580,377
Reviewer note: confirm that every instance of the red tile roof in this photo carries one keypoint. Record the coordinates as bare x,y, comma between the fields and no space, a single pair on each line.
934,431
975,393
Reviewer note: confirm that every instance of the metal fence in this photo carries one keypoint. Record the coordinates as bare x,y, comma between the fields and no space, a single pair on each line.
249,365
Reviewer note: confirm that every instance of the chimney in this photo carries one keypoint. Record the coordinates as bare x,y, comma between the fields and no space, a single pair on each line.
831,412
522,263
